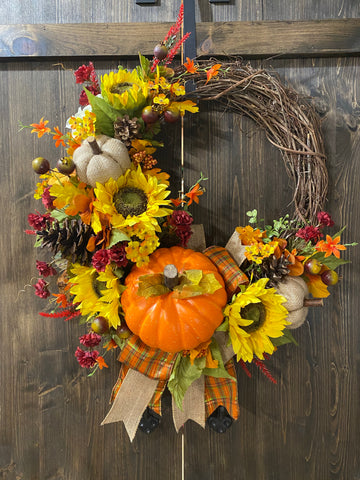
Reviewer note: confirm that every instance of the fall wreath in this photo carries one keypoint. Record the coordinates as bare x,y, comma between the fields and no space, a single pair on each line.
125,255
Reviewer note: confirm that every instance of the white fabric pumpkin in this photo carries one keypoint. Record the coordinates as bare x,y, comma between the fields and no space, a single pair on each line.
100,158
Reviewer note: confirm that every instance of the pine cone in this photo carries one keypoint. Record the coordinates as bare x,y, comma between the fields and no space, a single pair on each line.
275,269
126,129
70,239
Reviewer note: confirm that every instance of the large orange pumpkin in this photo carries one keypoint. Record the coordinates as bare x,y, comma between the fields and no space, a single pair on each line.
164,321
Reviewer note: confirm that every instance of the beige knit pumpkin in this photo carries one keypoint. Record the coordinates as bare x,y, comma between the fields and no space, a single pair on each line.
295,290
100,158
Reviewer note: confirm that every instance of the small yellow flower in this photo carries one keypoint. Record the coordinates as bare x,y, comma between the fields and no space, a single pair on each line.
161,99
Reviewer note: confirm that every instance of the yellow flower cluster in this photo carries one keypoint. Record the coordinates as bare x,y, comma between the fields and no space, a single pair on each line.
83,127
258,251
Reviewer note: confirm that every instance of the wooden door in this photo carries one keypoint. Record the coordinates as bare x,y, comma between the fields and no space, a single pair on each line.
306,426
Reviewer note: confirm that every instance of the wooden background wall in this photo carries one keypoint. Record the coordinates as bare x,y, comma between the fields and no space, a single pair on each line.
306,427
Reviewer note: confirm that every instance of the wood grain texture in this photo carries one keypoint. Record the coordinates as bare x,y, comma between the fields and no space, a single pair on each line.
250,39
306,427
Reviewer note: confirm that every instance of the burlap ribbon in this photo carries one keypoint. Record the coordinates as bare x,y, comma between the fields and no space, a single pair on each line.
236,248
135,393
193,405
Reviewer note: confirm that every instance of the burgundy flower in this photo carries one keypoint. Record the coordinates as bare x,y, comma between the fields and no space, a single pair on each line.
47,199
41,289
37,221
118,255
184,236
100,259
90,339
180,218
325,219
181,221
85,358
83,99
45,269
309,233
83,73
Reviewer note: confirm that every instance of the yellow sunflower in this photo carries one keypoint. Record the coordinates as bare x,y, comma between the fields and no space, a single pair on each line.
133,199
98,294
255,316
124,90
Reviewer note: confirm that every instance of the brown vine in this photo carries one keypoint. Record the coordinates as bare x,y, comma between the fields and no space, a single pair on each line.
290,123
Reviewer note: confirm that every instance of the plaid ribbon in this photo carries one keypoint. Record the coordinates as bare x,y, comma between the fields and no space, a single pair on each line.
222,391
231,273
158,365
149,361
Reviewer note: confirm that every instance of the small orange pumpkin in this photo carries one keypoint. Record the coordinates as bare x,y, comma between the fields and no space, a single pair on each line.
164,321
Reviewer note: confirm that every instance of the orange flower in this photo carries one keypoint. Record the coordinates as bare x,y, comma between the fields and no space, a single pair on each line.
61,299
203,350
101,362
74,143
177,201
58,137
40,128
249,236
212,72
194,194
189,65
331,246
112,344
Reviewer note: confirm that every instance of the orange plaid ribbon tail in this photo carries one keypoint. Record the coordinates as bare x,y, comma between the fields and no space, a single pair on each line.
142,380
222,391
231,273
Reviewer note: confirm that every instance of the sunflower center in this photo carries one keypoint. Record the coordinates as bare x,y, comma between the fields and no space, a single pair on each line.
130,201
98,286
120,88
255,312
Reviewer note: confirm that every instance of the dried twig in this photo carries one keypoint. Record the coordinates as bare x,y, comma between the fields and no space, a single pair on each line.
289,121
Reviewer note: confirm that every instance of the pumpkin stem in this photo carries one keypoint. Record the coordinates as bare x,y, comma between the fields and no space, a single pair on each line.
313,302
94,145
171,276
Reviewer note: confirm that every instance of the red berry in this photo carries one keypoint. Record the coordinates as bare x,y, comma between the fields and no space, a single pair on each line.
312,266
171,117
149,116
65,165
160,51
329,277
40,165
100,325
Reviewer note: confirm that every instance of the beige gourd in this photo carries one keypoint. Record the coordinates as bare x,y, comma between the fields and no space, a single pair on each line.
100,158
295,290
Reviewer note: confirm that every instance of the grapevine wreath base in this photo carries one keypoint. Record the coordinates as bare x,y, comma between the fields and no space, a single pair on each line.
134,270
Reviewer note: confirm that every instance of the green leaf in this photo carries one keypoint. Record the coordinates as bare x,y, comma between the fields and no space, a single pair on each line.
152,285
38,241
220,371
117,236
144,69
183,375
194,283
224,327
59,215
105,114
286,338
331,262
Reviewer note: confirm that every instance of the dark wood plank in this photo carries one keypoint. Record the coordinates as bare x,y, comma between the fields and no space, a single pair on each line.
251,39
304,424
